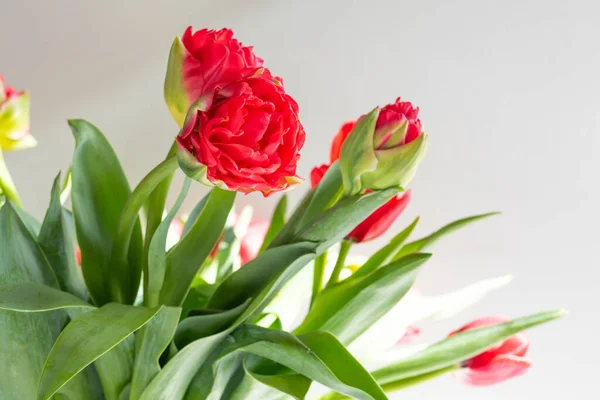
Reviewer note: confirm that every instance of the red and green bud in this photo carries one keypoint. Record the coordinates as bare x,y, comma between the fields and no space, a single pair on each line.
14,119
384,149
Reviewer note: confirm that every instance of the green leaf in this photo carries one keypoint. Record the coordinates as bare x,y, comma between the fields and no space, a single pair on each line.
248,281
174,91
286,234
186,257
198,296
427,241
128,223
25,338
154,209
84,386
32,224
174,379
33,297
55,238
268,386
157,254
326,194
352,306
277,223
386,253
151,341
115,368
99,193
85,339
199,326
335,223
191,220
316,355
459,347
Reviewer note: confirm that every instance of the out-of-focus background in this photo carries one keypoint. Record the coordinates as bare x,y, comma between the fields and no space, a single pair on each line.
509,92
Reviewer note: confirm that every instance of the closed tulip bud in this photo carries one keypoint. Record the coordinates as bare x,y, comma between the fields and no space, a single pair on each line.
14,119
383,150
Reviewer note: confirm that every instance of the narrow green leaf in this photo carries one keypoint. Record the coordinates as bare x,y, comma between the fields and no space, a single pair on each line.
277,223
99,193
157,253
352,306
335,223
32,224
316,355
84,386
55,239
286,234
34,297
25,338
191,220
386,253
427,241
198,296
151,340
85,339
459,347
154,209
127,228
186,257
216,374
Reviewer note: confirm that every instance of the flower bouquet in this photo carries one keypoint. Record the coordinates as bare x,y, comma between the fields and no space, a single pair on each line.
113,297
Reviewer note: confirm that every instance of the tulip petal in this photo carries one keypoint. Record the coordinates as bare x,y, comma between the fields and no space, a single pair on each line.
501,368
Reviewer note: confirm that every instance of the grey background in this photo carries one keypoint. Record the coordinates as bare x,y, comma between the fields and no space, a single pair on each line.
509,92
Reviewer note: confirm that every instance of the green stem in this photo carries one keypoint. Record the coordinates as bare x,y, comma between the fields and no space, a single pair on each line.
319,271
339,264
7,185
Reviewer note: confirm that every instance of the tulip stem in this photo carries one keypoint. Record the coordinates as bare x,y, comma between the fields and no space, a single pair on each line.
339,264
7,185
319,271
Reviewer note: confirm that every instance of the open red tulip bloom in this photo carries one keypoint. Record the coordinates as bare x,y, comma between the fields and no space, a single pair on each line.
503,361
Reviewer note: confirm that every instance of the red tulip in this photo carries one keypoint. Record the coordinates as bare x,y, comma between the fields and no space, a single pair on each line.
247,138
202,61
503,361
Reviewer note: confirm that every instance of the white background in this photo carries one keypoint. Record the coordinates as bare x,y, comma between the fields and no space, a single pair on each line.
509,93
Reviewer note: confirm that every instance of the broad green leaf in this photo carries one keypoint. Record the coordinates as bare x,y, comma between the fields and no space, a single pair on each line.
198,296
248,281
34,297
85,339
25,338
427,241
32,224
316,355
84,386
352,306
99,193
174,379
386,253
286,234
459,347
115,368
157,254
151,340
127,228
55,238
199,326
277,223
215,374
273,387
186,257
